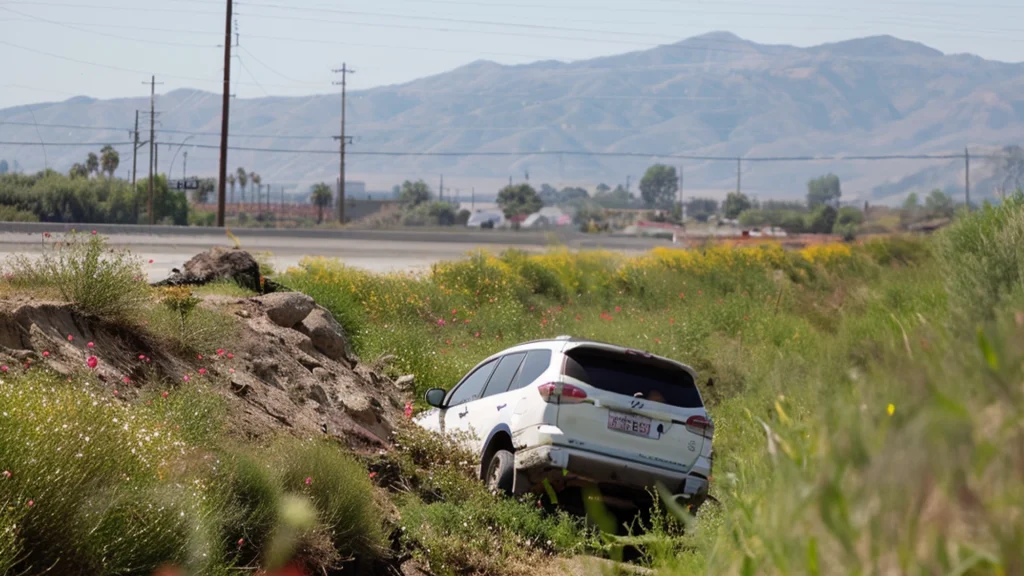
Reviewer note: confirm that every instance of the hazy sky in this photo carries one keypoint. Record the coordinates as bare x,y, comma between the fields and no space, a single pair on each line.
55,49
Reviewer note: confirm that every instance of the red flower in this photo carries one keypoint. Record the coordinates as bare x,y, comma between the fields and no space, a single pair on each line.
186,378
70,338
232,370
31,503
90,345
151,261
230,356
241,542
126,380
454,311
671,320
477,335
656,341
408,409
467,321
46,354
373,475
93,232
618,309
309,480
681,295
165,394
202,371
220,352
4,368
441,322
142,356
92,361
200,357
6,474
115,392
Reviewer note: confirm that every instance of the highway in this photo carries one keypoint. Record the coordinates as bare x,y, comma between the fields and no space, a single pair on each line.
373,250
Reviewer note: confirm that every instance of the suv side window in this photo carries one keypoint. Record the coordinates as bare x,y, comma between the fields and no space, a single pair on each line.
537,361
503,374
472,387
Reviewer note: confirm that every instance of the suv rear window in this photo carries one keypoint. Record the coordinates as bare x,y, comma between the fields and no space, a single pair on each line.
628,375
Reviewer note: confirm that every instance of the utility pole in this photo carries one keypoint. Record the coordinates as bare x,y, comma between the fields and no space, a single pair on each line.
184,167
472,199
739,176
967,178
152,145
343,139
135,150
440,189
225,108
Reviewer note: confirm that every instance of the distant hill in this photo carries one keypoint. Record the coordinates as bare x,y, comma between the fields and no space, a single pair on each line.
715,94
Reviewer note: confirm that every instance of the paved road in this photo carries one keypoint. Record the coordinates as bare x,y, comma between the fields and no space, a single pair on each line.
172,251
375,250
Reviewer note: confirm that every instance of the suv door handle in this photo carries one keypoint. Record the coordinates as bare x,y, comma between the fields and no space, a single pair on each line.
463,414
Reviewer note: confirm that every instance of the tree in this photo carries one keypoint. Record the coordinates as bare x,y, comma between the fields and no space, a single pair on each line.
603,188
110,160
848,215
823,220
243,179
659,185
79,171
572,193
231,182
701,209
1011,168
322,197
548,194
202,194
824,190
4,168
519,200
938,204
736,203
414,193
92,164
257,182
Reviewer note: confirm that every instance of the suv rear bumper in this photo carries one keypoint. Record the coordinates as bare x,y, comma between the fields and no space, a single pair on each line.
557,464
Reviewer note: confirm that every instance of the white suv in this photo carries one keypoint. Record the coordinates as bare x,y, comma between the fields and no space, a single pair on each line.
576,412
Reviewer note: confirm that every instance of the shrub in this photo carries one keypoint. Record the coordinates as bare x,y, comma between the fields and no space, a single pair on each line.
342,493
182,321
822,220
97,280
983,254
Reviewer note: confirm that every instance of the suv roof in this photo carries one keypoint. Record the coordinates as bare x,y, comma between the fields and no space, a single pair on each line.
565,343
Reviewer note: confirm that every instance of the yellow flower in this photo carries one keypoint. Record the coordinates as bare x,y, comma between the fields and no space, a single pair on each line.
891,409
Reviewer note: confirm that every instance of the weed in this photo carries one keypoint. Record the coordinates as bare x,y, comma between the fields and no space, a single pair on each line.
182,321
86,273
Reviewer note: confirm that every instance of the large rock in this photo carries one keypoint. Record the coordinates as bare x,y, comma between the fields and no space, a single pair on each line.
221,264
327,335
286,309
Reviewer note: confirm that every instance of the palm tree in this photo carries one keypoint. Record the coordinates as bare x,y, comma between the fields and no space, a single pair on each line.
231,182
243,179
79,171
92,163
321,198
110,160
256,181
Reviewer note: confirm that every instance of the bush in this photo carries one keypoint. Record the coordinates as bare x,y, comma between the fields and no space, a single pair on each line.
984,255
822,220
97,280
189,327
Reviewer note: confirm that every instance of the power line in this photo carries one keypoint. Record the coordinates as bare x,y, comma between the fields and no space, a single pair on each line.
106,34
704,158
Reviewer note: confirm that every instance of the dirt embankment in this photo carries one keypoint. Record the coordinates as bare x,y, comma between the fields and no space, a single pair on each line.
287,368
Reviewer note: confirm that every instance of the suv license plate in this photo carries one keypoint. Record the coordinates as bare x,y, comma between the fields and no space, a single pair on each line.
630,424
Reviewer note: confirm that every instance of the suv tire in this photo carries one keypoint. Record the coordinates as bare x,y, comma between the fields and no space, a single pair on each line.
501,472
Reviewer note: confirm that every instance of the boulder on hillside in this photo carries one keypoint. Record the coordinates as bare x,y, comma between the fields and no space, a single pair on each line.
286,309
220,264
327,335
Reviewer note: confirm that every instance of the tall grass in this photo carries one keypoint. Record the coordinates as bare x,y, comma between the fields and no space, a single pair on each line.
85,272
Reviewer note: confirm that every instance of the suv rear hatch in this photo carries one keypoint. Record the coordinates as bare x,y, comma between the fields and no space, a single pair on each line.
630,405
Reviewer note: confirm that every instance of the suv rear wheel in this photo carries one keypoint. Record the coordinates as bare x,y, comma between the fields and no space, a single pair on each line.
501,472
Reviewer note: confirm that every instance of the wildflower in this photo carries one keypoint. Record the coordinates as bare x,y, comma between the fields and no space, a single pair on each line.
126,380
4,368
454,311
309,480
142,356
46,354
46,234
891,409
241,542
71,338
6,474
31,503
202,371
92,361
408,409
165,394
671,320
90,345
186,378
220,352
200,357
230,356
657,341
441,322
115,392
93,232
618,309
373,475
231,370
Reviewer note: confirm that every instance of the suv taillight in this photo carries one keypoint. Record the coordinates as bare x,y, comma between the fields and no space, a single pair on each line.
556,393
701,425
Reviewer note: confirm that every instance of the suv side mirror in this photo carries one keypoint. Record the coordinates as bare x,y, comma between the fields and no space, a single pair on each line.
435,397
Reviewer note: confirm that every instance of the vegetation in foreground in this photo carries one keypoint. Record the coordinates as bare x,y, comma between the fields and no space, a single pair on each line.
867,401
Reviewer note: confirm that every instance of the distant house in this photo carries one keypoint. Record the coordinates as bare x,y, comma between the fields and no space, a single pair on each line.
477,219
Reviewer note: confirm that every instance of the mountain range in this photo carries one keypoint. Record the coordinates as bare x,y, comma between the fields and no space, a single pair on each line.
712,95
